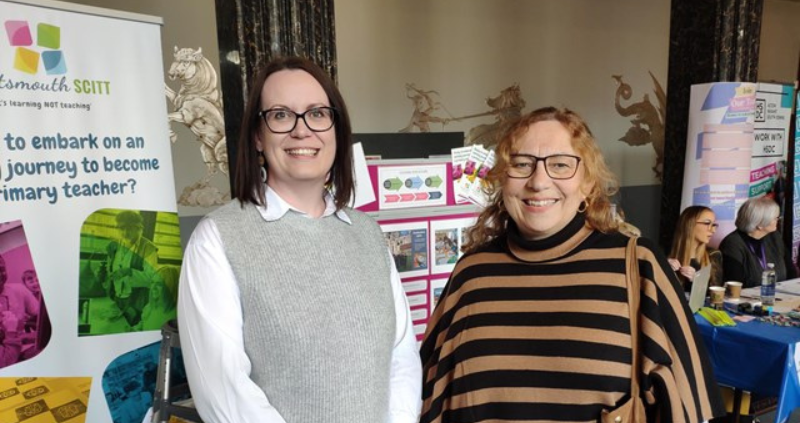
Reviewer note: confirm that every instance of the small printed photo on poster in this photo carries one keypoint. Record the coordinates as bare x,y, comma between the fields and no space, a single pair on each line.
447,239
437,287
445,246
25,327
408,244
128,272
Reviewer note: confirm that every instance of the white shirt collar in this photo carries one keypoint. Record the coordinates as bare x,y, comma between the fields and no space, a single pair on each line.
276,208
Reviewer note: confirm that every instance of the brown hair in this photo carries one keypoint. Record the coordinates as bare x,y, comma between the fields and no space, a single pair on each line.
493,221
684,245
247,186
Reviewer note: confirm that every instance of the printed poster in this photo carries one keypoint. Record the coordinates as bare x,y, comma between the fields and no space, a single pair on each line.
772,116
412,186
88,223
437,287
408,244
447,239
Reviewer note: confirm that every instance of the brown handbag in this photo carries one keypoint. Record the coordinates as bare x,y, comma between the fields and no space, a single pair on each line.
632,411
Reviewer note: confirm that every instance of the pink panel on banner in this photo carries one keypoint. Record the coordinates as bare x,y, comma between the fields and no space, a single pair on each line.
726,128
726,177
764,172
730,158
727,140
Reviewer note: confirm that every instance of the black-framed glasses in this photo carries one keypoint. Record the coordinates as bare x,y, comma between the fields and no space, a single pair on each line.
282,121
557,166
711,225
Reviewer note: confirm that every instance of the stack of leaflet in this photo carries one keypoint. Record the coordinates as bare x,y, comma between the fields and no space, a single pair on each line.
470,167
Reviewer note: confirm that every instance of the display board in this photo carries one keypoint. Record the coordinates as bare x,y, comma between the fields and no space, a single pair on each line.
425,245
424,234
88,224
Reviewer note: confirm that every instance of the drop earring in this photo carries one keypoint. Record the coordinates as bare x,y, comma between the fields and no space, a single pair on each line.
262,165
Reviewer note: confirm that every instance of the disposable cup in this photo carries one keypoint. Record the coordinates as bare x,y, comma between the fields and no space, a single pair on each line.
733,289
716,295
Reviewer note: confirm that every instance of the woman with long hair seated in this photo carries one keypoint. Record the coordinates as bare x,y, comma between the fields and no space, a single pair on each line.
690,250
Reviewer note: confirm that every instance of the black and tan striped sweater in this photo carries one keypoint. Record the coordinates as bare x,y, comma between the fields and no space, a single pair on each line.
539,331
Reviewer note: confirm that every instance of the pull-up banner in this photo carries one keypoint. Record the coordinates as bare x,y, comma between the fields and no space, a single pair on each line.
88,226
736,148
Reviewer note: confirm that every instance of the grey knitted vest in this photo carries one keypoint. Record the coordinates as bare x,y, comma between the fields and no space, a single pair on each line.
319,319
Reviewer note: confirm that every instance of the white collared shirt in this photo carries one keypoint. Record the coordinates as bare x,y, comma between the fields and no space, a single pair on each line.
210,321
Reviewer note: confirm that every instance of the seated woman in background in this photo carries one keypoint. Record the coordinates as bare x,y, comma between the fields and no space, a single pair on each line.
755,243
690,251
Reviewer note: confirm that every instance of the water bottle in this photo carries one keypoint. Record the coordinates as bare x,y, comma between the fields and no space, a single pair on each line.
768,285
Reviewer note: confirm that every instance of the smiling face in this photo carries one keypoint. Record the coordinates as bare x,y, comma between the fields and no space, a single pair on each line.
302,157
542,206
31,281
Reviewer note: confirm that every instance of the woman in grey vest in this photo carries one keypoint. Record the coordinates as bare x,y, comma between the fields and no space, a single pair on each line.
290,308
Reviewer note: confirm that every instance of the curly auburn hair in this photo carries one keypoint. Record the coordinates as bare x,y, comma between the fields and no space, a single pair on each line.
493,221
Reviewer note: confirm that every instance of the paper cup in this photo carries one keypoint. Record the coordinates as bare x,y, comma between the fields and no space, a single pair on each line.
716,294
733,289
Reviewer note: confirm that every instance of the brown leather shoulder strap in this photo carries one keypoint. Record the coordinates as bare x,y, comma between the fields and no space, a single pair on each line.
634,292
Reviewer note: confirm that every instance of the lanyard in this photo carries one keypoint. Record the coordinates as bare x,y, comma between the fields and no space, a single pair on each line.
762,260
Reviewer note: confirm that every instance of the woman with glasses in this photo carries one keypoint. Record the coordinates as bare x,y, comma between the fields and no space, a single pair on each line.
290,308
533,324
755,243
690,250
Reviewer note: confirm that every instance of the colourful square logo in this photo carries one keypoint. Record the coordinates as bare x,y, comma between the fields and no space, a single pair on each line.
54,62
19,34
26,60
48,36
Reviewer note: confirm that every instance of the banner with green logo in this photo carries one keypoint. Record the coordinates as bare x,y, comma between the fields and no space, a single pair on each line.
89,242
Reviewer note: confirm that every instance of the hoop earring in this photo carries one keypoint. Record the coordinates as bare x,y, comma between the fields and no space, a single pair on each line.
583,206
262,166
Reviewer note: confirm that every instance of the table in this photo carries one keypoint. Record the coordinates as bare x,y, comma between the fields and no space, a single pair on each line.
756,357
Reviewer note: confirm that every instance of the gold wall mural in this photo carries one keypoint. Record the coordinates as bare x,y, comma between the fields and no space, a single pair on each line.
198,105
647,119
505,107
426,106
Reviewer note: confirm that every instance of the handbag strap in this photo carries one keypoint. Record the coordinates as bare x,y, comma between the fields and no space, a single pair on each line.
634,291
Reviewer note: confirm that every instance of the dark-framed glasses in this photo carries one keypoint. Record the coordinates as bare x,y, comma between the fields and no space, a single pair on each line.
557,166
711,225
282,121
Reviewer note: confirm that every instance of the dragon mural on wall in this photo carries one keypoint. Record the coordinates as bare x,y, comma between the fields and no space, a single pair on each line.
648,120
505,107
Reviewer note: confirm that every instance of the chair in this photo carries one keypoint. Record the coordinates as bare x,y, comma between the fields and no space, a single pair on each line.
171,399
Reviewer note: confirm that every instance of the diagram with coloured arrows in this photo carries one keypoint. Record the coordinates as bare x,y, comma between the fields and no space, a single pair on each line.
412,186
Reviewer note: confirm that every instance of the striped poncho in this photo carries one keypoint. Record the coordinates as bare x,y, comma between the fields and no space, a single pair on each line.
539,331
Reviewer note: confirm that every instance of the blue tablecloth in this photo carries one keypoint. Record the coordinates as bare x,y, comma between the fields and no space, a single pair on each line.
756,357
